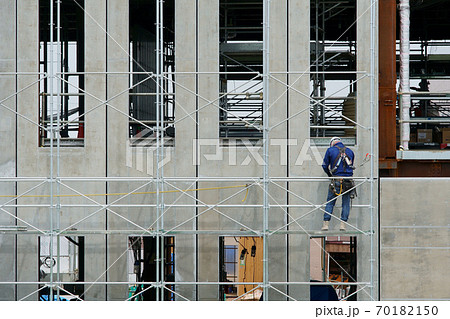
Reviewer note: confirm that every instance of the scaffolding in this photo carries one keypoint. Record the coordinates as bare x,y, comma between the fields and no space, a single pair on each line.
162,187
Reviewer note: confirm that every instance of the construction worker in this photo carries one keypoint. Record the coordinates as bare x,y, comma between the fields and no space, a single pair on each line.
338,162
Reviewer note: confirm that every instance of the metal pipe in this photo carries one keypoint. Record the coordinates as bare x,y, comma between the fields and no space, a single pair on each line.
177,205
52,132
22,73
65,94
182,283
319,72
161,136
316,65
405,100
184,232
425,120
333,126
150,94
171,179
373,83
266,55
58,143
150,74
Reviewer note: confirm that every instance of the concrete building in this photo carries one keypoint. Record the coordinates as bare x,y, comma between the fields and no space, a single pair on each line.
172,150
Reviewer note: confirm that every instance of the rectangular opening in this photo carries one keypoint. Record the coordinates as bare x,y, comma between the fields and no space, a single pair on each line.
430,113
69,264
429,71
333,259
142,266
240,261
333,62
241,33
62,97
143,64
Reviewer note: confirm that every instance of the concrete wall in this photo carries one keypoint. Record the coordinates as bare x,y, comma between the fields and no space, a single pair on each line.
7,134
415,237
107,153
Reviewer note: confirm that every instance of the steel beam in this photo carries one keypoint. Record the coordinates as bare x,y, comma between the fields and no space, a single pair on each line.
387,78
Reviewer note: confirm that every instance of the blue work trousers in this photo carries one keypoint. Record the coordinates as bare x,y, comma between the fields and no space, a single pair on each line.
330,205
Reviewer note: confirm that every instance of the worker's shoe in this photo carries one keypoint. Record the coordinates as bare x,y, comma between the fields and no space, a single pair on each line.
325,225
342,227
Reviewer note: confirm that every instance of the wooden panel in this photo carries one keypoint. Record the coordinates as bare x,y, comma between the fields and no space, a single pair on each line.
251,268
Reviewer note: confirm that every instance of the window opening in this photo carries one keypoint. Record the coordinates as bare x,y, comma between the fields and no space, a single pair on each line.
142,266
143,86
333,259
430,112
428,72
71,101
333,55
241,33
70,262
240,260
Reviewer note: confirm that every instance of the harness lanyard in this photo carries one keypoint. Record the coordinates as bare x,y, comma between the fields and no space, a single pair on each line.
340,191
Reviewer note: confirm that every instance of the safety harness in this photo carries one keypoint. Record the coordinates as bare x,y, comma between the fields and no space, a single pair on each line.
342,158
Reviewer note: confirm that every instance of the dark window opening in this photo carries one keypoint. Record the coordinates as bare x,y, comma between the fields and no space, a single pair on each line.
69,262
333,55
69,102
142,267
333,259
143,87
429,70
241,102
240,260
429,113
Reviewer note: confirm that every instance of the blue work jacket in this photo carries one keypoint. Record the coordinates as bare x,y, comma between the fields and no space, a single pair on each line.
330,157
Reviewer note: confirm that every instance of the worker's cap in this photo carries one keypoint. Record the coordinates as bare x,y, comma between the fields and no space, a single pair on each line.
334,139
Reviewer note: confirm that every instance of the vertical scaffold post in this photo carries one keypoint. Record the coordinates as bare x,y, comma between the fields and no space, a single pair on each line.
51,76
58,142
266,17
160,106
158,148
373,78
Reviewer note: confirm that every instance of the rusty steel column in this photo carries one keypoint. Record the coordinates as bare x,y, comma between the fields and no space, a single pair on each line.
387,83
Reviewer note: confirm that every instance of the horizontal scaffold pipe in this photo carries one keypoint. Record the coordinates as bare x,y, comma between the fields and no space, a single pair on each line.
129,193
178,205
175,283
152,74
151,232
174,179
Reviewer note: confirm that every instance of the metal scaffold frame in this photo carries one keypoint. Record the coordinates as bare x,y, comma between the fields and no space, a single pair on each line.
163,185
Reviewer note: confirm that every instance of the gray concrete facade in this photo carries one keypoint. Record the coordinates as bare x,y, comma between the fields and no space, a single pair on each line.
414,238
203,190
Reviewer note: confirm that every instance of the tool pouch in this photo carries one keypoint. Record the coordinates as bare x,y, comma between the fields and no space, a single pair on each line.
349,184
332,187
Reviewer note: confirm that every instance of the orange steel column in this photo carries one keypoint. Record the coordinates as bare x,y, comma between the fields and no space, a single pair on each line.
387,83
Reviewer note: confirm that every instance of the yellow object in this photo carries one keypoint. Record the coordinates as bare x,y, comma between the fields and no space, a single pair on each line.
246,193
340,191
